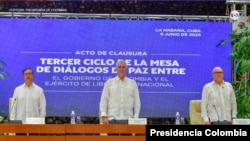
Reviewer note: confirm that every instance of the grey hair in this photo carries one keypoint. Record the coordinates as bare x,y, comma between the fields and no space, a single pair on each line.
121,61
215,68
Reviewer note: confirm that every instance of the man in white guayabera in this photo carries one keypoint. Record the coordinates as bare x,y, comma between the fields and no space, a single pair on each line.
120,98
28,99
218,104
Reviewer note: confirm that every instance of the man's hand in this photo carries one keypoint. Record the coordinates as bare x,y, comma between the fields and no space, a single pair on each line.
207,123
105,120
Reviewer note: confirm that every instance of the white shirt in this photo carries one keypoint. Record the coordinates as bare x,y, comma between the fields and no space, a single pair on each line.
28,102
218,102
120,99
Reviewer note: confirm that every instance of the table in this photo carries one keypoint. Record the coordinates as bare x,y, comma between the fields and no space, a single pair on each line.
72,132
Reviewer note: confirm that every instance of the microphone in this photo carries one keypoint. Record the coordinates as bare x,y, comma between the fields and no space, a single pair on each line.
12,106
216,113
117,121
15,121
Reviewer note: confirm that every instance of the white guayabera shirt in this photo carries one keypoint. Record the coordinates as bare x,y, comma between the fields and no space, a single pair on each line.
120,99
218,102
28,102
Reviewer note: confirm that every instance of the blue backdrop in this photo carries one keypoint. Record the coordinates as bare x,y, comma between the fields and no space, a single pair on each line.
170,60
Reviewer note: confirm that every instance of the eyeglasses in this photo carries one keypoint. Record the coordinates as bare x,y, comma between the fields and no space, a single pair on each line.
219,72
121,67
28,73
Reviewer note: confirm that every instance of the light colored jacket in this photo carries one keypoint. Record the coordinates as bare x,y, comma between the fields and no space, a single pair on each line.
28,102
120,99
218,102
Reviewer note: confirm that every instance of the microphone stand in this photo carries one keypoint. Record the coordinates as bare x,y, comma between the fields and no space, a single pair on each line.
11,109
